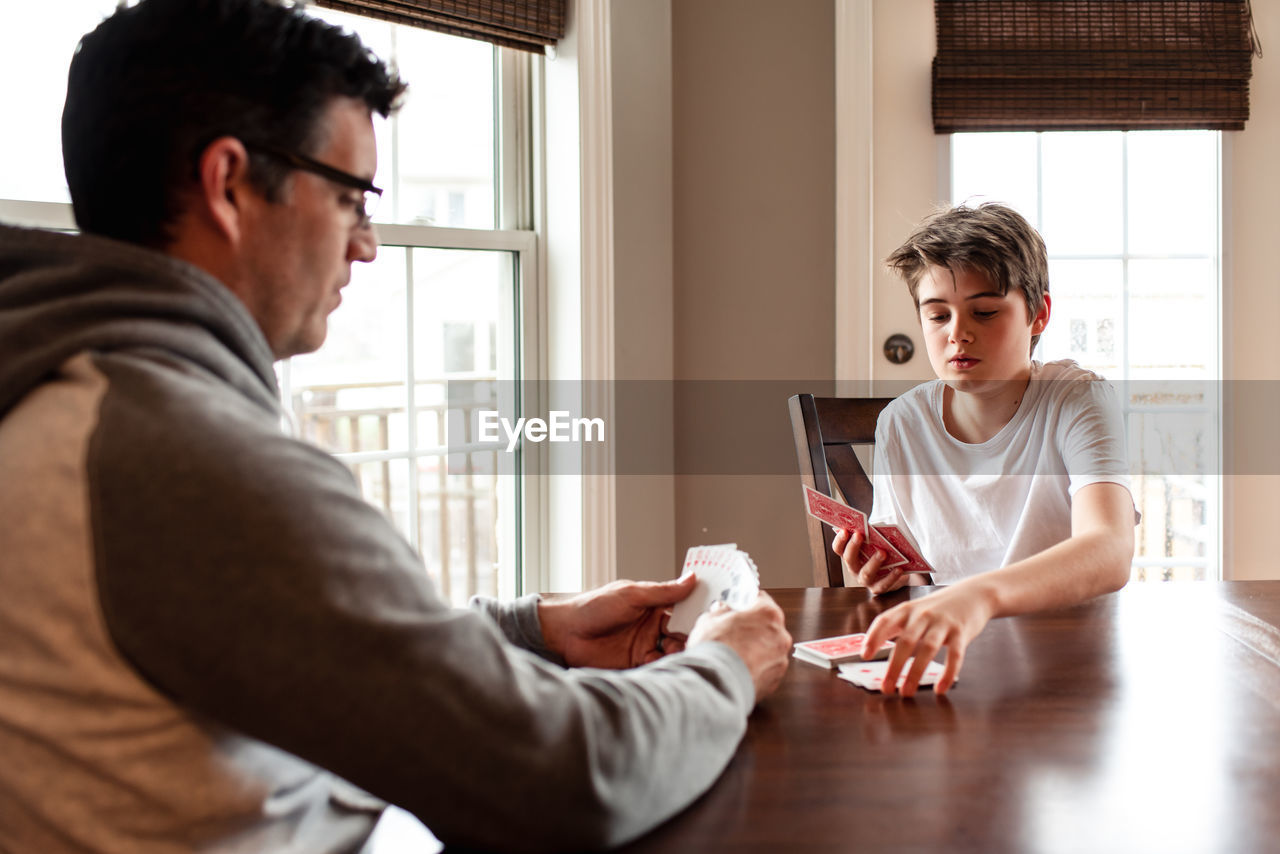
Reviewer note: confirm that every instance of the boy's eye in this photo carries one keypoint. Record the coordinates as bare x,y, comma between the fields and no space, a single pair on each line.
984,314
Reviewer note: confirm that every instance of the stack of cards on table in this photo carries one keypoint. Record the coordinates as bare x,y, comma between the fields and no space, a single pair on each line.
832,652
900,551
870,674
725,574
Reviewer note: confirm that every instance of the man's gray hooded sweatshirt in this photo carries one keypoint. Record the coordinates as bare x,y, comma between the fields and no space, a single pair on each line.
209,641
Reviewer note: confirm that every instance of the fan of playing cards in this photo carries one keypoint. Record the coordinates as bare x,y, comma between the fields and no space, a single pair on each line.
725,574
899,550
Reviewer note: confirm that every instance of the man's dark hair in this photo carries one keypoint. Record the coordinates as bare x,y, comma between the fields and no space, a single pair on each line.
154,84
991,239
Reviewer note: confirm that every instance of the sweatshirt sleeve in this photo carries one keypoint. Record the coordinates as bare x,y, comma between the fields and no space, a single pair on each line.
242,574
518,621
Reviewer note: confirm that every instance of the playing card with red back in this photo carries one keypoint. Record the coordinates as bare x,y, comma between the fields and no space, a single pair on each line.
837,514
834,650
900,541
876,540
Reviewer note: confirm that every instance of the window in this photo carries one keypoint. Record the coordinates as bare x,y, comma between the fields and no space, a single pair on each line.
442,308
1131,222
438,311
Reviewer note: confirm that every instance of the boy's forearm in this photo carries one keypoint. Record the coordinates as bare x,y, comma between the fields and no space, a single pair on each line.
1077,569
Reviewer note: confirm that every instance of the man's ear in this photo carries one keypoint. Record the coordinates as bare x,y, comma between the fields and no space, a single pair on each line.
224,185
1041,320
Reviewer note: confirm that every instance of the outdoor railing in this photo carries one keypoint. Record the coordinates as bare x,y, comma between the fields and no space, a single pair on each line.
446,503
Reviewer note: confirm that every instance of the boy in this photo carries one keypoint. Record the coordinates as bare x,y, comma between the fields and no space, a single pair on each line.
1011,475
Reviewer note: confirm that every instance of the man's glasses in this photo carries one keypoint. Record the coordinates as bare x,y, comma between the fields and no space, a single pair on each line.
300,161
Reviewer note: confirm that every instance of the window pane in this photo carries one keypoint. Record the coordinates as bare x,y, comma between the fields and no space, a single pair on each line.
463,300
436,157
447,176
1177,504
350,395
1083,206
36,44
1175,305
464,353
1087,315
461,503
1173,217
385,484
995,167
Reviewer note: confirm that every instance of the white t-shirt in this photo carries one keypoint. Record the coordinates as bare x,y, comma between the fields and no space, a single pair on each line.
971,508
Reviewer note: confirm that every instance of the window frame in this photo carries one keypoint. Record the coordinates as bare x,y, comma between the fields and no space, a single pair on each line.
56,216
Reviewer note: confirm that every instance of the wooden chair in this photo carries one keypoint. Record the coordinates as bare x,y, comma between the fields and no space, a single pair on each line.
825,430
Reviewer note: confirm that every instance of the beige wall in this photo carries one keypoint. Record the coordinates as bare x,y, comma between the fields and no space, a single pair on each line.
1251,302
904,168
643,278
754,199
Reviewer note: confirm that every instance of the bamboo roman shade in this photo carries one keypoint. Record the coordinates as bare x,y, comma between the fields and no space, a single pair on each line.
523,24
1091,64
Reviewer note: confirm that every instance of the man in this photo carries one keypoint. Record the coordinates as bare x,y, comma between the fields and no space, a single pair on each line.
208,641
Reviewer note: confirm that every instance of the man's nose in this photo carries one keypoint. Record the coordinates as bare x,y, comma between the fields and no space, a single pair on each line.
364,244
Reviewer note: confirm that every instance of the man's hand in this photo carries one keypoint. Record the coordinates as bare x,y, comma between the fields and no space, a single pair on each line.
758,634
869,574
615,626
952,617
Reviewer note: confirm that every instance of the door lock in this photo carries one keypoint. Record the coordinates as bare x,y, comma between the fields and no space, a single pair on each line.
899,349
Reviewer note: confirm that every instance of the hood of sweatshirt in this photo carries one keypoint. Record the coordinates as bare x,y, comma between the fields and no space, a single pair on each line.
63,294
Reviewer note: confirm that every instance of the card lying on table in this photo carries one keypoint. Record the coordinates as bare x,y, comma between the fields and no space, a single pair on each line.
830,652
870,675
899,550
725,574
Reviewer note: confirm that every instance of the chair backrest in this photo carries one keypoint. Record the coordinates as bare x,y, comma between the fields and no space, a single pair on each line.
825,430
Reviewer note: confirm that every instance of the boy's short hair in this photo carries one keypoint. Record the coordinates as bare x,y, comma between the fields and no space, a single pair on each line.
155,83
991,239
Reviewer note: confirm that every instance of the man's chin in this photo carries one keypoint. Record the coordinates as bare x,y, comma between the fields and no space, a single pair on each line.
306,341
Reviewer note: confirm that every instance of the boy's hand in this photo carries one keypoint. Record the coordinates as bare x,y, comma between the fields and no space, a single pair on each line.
869,574
952,617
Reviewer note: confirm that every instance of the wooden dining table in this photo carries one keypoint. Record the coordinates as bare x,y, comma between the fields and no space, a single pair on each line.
1143,721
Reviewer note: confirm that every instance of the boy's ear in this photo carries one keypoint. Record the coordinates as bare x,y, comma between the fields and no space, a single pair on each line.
1041,320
